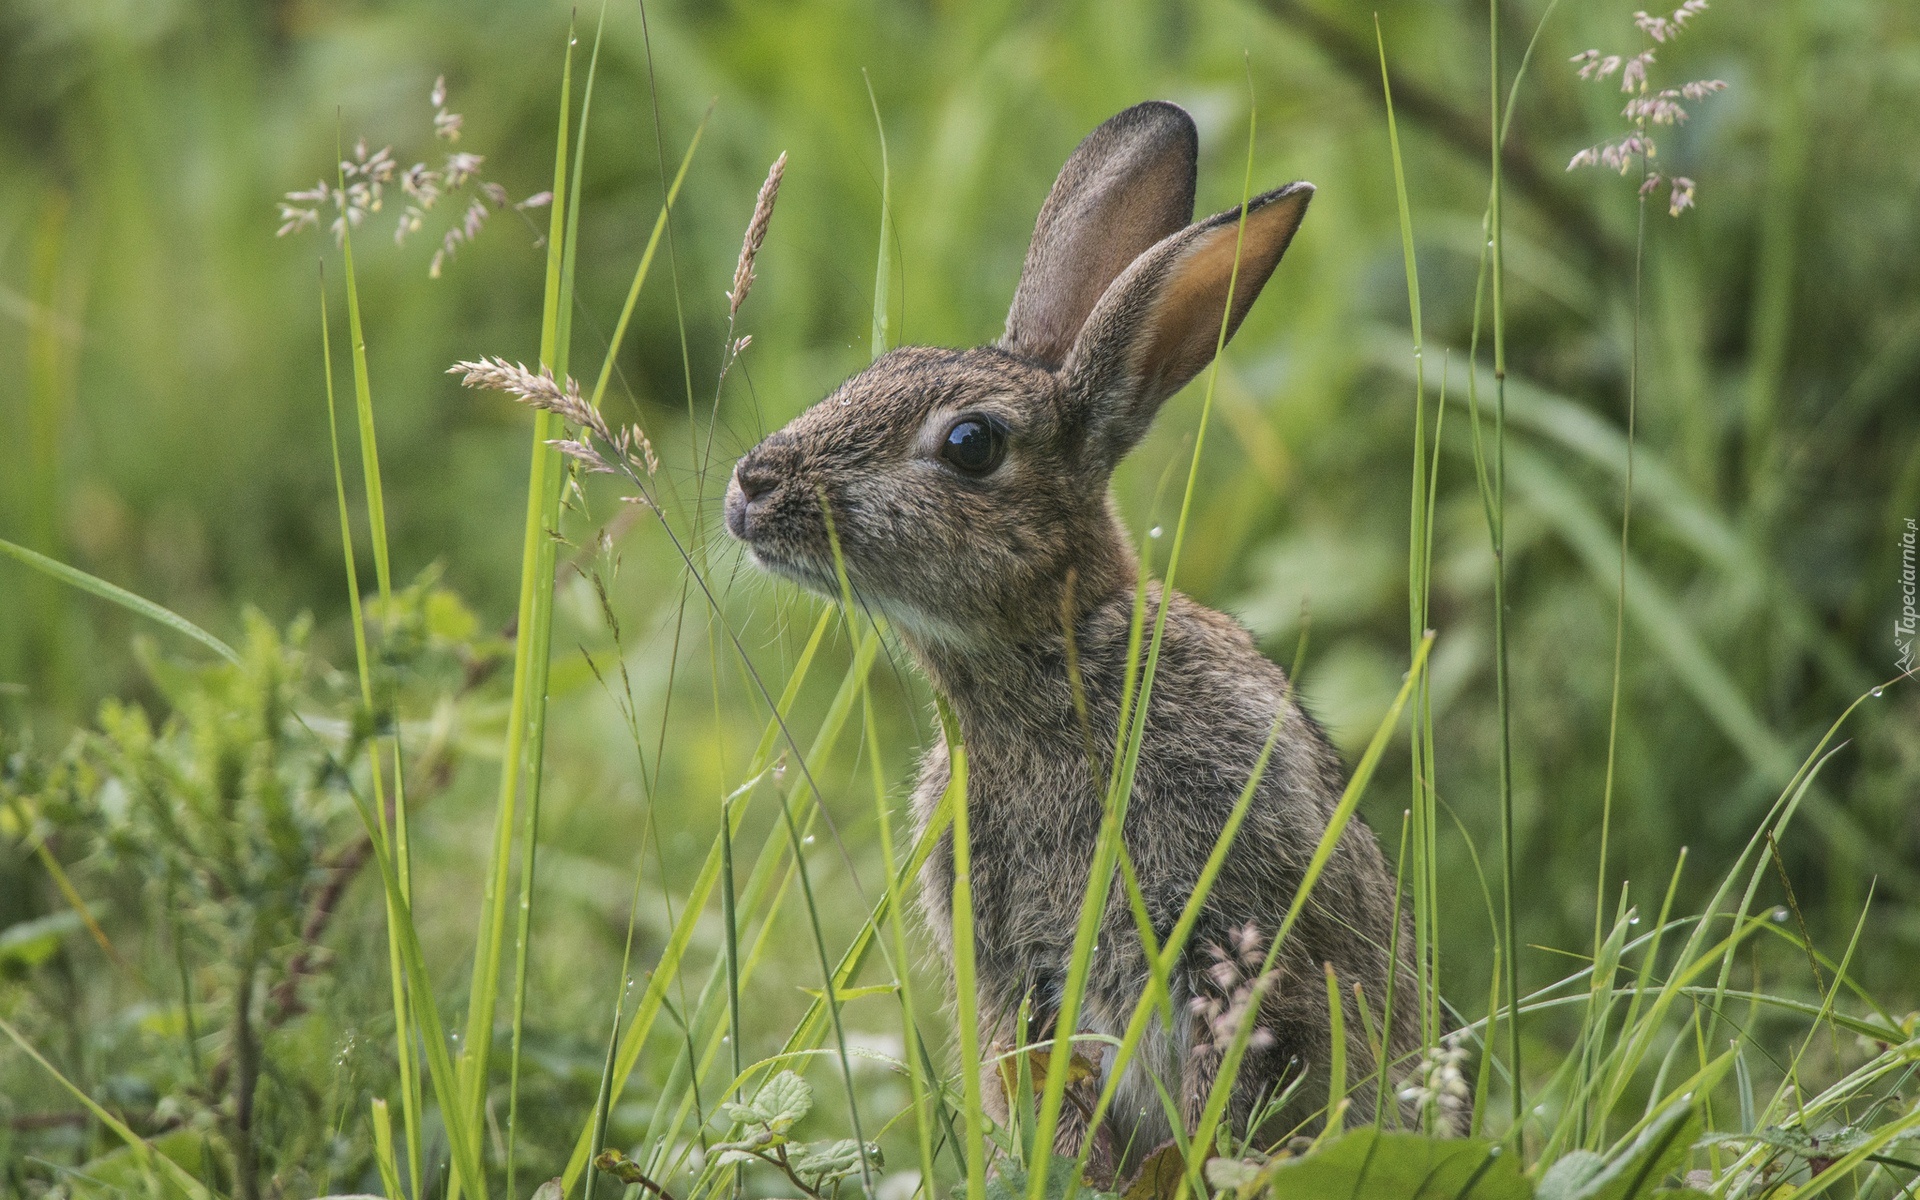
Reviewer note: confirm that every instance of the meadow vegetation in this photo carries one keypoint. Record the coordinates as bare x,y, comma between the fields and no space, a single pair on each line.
393,801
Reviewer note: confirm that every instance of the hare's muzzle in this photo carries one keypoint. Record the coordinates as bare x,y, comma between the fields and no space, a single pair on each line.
748,494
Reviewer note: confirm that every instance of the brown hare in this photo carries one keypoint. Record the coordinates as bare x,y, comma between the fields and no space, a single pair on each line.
969,495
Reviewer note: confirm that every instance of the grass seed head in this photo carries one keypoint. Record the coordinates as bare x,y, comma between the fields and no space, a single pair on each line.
756,236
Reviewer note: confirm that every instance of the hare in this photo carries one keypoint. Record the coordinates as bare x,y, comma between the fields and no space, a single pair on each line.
969,496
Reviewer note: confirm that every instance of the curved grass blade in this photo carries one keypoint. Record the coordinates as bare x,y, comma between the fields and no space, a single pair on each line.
142,1149
119,595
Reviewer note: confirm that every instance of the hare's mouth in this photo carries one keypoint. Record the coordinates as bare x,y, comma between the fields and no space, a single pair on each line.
800,570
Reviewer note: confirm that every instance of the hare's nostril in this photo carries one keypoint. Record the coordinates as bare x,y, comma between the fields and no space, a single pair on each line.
754,480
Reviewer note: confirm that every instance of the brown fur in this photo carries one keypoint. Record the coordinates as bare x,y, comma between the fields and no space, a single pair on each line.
976,573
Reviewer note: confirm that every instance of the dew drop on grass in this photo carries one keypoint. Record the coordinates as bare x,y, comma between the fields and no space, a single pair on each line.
1634,920
1877,692
1780,916
1154,532
807,840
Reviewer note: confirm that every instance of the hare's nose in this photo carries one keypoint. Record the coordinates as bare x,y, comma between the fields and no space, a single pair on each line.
754,478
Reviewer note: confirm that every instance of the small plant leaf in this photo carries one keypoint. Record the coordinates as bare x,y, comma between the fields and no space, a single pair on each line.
1566,1177
774,1109
1232,1174
27,944
1011,1182
822,1163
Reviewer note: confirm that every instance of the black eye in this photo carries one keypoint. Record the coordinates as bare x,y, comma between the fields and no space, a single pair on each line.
974,446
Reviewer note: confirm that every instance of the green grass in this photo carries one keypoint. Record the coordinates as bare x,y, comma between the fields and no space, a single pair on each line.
664,727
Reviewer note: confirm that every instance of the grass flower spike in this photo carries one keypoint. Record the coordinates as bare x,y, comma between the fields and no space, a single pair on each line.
1647,107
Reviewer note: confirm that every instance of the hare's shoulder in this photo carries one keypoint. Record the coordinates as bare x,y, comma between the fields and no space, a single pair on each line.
1209,653
1218,699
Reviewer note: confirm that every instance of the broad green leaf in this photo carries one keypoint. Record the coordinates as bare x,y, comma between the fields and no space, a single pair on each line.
1568,1177
1400,1166
1639,1170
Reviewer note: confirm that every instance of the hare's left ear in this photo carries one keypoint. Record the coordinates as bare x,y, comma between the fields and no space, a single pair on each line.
1159,323
1129,184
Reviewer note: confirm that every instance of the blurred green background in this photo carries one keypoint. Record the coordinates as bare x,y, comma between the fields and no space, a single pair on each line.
163,420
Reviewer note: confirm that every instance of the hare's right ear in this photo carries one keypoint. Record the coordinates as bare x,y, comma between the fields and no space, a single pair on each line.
1160,323
1127,186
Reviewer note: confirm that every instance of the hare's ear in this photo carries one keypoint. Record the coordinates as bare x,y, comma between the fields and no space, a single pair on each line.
1128,185
1159,323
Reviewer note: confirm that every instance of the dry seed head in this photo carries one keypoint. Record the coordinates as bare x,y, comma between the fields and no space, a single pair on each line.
756,236
537,390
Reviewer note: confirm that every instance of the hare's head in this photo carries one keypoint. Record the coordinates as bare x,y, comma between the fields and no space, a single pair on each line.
964,485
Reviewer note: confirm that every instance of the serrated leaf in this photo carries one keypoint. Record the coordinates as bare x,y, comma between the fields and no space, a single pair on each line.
1011,1182
782,1101
825,1162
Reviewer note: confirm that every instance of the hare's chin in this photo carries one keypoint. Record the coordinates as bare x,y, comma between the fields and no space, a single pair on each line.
799,571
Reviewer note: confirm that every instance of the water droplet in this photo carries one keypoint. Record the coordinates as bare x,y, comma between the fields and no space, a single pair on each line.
1634,919
724,1039
807,840
1877,692
1539,1110
1154,532
1780,916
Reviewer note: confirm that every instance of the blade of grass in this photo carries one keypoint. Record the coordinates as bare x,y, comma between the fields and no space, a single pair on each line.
882,266
383,1158
536,592
406,1062
143,1151
1337,1065
464,1152
106,591
554,344
1503,688
966,1001
1425,893
646,263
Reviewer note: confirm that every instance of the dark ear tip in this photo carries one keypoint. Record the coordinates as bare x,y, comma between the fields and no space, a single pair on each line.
1300,188
1298,193
1170,117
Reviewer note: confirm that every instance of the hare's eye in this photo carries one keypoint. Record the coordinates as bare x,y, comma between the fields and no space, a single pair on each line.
973,446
